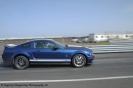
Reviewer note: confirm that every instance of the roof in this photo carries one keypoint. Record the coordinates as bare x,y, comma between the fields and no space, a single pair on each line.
40,39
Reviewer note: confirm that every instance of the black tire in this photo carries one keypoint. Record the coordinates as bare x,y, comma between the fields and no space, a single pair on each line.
88,65
21,62
79,60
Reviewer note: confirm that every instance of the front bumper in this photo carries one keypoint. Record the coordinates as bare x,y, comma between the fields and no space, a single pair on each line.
90,59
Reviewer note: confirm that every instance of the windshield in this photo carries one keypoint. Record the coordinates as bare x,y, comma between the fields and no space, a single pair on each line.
60,44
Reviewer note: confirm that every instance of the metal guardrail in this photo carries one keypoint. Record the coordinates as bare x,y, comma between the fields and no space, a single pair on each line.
119,42
111,48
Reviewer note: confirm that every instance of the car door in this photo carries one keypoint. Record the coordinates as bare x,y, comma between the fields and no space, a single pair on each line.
44,51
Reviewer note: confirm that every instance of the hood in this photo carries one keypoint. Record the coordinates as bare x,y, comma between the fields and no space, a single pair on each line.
78,48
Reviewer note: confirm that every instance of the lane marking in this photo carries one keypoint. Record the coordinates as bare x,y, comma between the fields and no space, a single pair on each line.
112,59
67,80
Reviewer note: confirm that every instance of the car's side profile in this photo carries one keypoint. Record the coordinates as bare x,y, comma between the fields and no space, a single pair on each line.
46,51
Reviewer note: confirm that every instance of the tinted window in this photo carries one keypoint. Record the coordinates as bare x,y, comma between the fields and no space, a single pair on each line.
59,44
44,44
27,45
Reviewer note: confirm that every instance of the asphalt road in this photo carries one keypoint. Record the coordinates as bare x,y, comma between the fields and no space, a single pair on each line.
112,70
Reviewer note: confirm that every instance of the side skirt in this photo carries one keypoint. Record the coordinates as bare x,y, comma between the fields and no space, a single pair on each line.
50,60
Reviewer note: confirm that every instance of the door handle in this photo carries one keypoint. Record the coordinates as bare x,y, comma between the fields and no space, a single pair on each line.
38,51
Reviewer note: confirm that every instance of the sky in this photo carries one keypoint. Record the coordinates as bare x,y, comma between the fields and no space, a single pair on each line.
37,18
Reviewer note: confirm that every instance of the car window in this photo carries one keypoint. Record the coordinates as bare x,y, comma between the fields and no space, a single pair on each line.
42,44
27,45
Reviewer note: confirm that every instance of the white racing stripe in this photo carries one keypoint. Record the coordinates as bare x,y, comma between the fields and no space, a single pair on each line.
68,80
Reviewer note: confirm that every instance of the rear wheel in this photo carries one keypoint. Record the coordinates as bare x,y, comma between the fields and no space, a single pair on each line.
21,62
79,60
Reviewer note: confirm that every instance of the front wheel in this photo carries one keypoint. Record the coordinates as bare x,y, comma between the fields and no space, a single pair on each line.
21,62
88,65
79,60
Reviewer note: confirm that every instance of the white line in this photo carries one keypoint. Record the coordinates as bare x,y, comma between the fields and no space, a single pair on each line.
67,80
112,59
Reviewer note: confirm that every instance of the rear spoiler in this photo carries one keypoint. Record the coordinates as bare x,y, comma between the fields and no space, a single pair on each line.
10,45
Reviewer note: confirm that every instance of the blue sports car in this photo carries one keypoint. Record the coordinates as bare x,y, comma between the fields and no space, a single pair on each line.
46,51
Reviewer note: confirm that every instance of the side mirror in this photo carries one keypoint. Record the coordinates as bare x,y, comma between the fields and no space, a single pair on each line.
66,45
55,47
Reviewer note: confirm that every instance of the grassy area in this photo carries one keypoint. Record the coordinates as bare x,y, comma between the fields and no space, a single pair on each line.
102,43
59,40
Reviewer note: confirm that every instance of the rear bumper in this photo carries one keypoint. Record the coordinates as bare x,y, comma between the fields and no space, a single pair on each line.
6,59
